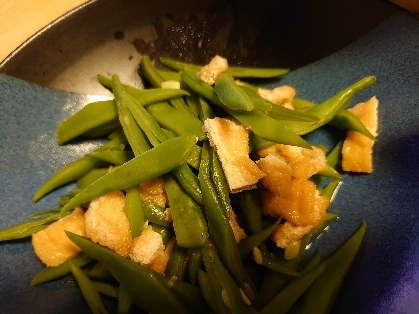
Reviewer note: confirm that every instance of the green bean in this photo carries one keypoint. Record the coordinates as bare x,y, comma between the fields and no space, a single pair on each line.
99,271
204,110
247,244
289,295
175,120
328,109
89,292
177,261
150,74
330,189
189,182
113,157
258,122
235,71
76,169
103,129
155,134
145,287
195,264
329,172
251,205
230,94
89,117
272,263
152,164
211,290
195,157
346,120
106,289
45,212
321,295
146,96
169,75
91,176
26,229
302,104
185,212
52,273
134,210
273,282
124,301
334,156
220,229
155,214
232,297
219,182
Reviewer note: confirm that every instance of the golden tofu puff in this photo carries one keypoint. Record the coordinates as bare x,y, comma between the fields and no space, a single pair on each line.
107,223
278,173
357,148
210,72
281,95
237,230
52,246
303,162
230,140
153,191
146,247
160,262
302,205
288,232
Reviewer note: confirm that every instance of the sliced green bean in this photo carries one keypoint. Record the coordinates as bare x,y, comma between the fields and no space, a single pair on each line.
167,233
272,263
175,120
89,117
134,210
26,229
211,290
150,74
152,164
52,273
146,287
113,157
290,294
195,264
90,294
185,212
230,94
77,169
177,261
106,289
247,244
312,263
91,176
235,71
99,271
346,120
155,214
328,109
321,295
251,205
124,301
232,296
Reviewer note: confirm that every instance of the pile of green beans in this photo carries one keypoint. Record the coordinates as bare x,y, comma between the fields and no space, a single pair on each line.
157,133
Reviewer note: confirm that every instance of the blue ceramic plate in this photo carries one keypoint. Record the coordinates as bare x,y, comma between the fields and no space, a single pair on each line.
385,275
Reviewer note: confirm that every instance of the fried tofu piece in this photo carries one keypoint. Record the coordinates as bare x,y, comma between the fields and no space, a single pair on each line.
237,230
146,247
302,205
230,140
303,162
281,95
357,148
52,246
278,173
153,191
210,72
160,262
107,223
288,232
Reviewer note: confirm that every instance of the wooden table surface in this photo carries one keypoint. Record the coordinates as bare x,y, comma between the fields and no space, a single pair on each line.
20,19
